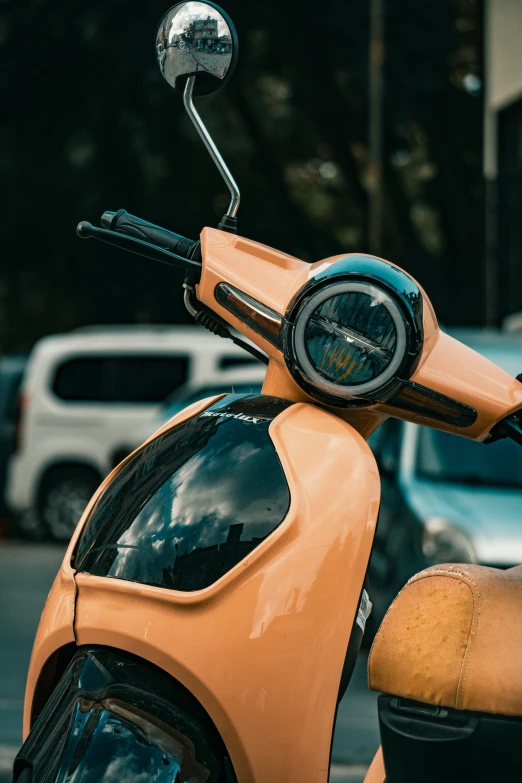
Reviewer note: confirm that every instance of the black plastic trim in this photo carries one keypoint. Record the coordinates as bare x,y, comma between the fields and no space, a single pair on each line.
257,316
436,743
113,710
509,427
415,398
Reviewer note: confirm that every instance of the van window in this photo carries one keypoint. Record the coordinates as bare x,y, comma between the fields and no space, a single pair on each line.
9,389
237,361
120,379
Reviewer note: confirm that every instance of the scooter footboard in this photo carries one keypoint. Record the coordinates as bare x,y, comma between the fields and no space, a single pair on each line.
113,717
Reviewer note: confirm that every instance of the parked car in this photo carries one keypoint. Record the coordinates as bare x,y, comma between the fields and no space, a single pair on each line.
245,380
234,380
87,397
11,374
444,498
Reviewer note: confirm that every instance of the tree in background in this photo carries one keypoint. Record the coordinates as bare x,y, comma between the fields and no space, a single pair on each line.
89,124
188,33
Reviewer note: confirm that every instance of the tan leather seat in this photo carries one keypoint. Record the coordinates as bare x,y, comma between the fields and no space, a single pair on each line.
453,638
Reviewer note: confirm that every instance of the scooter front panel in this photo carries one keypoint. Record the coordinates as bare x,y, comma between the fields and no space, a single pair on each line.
194,502
263,648
56,628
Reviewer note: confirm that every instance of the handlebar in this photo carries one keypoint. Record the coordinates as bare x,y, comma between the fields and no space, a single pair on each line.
510,427
133,226
138,236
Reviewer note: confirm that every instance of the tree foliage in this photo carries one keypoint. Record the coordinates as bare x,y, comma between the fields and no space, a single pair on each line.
88,124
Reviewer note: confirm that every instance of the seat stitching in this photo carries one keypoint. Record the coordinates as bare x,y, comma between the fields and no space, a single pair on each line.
384,619
430,571
464,668
412,579
373,644
473,587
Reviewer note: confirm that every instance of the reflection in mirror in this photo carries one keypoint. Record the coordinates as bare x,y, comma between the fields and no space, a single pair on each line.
196,38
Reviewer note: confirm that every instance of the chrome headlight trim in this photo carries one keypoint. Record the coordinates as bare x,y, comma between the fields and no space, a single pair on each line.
389,280
299,340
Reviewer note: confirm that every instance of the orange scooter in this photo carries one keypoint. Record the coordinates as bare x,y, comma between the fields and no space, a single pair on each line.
209,610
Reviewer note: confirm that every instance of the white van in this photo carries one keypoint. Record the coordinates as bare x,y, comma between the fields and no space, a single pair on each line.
87,398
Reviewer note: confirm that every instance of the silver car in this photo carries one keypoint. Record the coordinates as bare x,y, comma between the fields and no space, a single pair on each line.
444,498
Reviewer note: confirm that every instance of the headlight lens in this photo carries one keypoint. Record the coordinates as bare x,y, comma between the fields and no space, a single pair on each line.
350,339
442,542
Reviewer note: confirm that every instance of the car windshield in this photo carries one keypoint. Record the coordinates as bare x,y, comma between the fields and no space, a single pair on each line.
211,391
445,457
180,400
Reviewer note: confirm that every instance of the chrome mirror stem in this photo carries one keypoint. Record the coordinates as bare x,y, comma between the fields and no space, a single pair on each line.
211,147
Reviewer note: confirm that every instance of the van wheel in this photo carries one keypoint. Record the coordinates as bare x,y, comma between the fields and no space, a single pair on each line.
64,495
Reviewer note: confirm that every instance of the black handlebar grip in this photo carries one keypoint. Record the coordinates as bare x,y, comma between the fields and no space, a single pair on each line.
124,223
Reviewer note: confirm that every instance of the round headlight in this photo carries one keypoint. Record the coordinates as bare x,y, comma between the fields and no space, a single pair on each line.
442,542
349,339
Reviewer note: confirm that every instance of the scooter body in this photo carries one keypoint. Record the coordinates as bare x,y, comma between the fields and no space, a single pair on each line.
267,647
262,648
210,606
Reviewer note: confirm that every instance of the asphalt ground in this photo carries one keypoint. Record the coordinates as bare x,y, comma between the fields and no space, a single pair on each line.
26,574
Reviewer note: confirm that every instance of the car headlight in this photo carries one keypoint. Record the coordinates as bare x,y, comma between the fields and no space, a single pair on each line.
442,542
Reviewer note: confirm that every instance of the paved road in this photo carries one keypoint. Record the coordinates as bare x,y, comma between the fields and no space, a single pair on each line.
26,574
178,62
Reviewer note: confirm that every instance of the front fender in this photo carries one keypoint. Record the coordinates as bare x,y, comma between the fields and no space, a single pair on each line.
113,716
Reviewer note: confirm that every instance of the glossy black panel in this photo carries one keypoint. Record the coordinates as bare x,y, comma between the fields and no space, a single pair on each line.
418,399
112,718
194,502
254,314
428,743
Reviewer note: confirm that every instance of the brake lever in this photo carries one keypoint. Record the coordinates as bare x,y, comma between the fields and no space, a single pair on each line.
510,427
513,428
86,230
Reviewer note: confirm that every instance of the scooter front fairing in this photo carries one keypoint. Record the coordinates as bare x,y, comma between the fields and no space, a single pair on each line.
230,552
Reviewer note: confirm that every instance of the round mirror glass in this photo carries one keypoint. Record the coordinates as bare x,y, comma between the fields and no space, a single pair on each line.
196,38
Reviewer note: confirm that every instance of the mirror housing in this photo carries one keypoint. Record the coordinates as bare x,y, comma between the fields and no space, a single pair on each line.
196,38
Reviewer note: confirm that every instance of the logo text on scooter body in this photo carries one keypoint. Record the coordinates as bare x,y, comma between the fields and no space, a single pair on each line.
249,419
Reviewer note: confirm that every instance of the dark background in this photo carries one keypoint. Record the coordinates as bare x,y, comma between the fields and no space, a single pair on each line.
89,124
